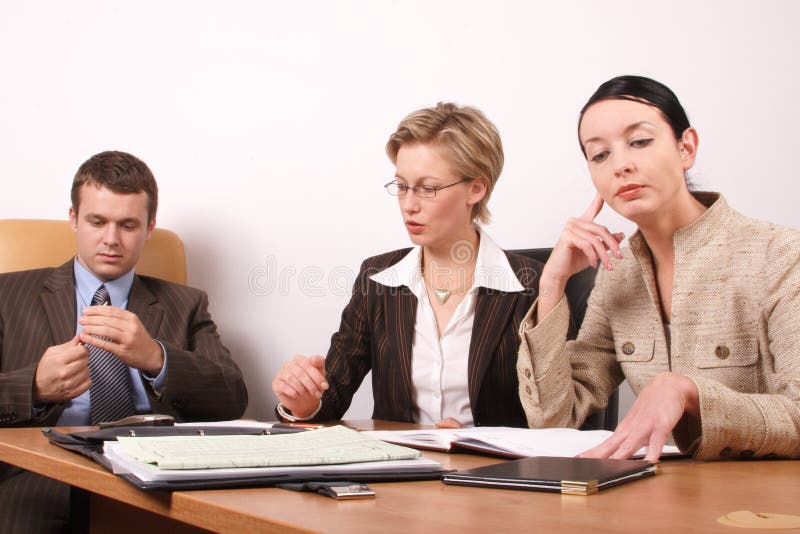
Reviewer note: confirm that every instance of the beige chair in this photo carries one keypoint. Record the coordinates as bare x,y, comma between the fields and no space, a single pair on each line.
32,244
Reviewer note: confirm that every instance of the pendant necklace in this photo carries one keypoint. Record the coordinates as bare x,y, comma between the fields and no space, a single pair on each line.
442,295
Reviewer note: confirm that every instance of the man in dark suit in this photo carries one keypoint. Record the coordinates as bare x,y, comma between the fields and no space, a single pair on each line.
58,327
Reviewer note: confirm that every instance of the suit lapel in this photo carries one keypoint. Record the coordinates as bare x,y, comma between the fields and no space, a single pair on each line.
492,311
58,301
143,303
401,313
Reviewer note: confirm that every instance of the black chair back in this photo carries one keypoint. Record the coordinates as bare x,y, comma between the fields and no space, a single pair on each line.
577,291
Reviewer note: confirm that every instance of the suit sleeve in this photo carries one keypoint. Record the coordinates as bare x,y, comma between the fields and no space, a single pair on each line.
349,357
203,382
562,382
15,392
16,387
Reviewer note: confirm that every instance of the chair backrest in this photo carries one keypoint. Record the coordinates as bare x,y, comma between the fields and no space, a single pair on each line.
32,244
578,288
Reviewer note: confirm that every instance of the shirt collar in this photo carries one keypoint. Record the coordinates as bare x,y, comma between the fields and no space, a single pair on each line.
87,285
492,270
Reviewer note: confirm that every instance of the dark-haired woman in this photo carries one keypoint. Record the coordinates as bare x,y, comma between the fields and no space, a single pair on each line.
701,314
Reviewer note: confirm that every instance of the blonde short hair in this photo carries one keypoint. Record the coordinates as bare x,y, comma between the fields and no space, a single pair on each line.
471,140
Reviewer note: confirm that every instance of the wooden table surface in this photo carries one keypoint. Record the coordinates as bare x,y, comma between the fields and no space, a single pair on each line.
686,496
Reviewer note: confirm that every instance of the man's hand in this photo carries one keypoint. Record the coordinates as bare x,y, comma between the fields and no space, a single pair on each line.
657,410
300,383
62,373
121,333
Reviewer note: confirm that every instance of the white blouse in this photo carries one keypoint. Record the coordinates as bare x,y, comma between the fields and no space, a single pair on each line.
439,364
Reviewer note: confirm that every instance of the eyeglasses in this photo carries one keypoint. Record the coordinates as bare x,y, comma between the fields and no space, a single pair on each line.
422,191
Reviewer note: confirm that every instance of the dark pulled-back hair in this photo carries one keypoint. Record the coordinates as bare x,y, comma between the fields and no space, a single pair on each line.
645,90
121,173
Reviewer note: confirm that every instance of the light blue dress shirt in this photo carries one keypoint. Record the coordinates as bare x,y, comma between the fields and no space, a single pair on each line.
76,411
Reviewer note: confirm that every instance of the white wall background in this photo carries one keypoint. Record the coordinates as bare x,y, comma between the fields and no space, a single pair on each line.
264,123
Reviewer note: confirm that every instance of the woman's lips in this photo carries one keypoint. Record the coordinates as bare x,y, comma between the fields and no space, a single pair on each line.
630,192
414,228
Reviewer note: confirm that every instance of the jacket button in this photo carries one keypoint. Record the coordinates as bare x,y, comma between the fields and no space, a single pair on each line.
725,452
722,352
527,373
528,390
628,348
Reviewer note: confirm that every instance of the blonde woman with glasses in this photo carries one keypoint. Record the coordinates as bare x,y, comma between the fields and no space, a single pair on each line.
437,323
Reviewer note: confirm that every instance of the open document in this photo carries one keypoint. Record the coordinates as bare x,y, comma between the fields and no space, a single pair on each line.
505,441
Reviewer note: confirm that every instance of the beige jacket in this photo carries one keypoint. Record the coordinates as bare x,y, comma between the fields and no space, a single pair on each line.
735,333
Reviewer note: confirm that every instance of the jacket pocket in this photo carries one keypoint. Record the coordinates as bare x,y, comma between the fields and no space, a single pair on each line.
634,348
734,351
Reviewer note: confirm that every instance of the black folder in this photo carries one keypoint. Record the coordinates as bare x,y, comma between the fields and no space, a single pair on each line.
575,476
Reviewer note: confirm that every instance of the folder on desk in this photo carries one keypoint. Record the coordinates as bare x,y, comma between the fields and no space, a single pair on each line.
210,458
575,476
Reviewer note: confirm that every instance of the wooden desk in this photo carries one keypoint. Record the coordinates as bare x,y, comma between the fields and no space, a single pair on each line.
686,496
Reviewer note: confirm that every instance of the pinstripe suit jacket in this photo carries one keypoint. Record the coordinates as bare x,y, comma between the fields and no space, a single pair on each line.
37,310
377,331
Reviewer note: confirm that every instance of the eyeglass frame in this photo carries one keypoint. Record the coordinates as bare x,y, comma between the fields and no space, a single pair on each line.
421,187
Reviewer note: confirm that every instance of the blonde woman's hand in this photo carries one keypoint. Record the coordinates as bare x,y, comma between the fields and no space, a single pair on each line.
300,383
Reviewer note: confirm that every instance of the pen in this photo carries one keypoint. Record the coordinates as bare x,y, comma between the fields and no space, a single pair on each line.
303,426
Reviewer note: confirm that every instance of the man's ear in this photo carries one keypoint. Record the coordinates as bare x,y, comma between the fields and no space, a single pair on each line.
150,227
688,147
73,219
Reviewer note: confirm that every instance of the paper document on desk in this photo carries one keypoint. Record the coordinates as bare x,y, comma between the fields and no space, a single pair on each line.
332,445
143,474
505,441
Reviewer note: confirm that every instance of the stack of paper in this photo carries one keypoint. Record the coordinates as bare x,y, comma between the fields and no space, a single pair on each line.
333,445
327,452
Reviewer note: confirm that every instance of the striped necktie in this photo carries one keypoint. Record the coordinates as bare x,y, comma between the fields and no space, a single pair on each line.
110,394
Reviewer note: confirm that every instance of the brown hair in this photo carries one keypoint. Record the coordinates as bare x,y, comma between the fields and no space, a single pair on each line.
120,172
471,140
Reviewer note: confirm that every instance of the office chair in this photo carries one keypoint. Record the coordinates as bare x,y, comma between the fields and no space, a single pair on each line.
32,244
577,291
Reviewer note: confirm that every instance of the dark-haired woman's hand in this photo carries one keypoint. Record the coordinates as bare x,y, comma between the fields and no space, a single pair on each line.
649,422
582,243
